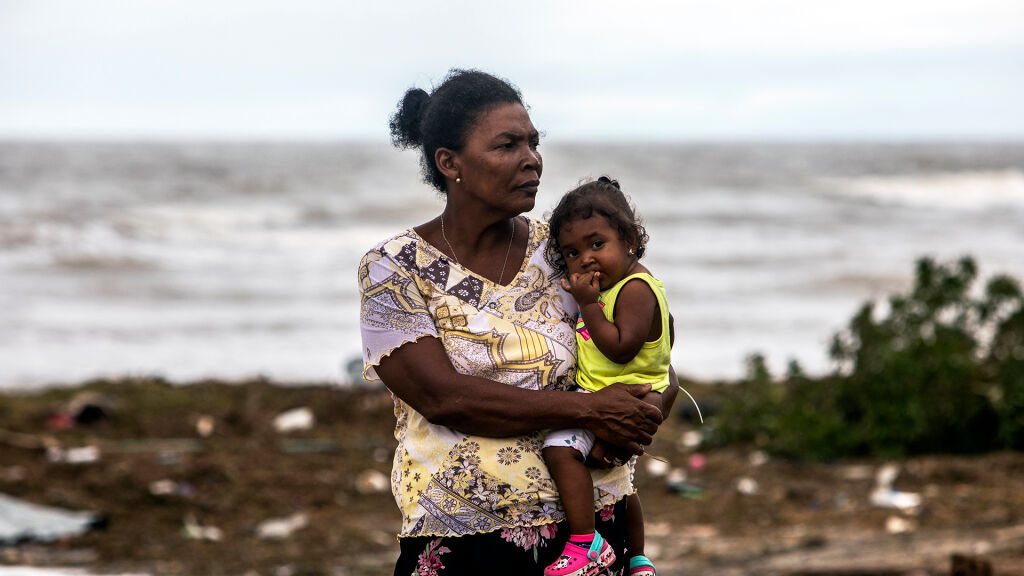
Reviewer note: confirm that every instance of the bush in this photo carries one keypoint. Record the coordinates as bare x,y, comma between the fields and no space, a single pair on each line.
942,370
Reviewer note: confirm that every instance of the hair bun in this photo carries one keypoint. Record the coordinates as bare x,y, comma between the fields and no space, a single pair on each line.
608,180
405,123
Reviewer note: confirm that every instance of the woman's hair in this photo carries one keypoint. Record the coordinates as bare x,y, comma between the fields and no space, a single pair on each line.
604,197
443,118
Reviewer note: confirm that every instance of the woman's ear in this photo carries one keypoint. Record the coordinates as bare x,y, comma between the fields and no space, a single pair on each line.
447,162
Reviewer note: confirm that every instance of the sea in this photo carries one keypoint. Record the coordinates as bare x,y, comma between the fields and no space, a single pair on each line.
234,260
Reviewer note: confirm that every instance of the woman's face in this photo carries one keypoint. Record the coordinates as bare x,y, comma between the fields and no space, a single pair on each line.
500,166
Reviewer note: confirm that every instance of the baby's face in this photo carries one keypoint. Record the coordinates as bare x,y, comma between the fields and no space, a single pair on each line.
592,245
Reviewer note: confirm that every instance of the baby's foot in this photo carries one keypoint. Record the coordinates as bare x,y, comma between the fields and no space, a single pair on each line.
641,566
582,558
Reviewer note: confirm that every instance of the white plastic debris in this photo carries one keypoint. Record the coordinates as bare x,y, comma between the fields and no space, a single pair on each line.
757,458
372,481
897,525
676,476
193,530
21,520
747,486
889,498
294,420
884,496
886,475
80,455
692,438
280,528
657,468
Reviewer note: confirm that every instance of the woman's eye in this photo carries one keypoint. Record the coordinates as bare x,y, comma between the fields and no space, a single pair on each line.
534,144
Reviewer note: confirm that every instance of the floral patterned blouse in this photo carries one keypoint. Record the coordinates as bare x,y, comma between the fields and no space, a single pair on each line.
448,483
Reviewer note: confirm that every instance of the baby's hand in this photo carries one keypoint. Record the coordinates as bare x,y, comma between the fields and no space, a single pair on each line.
585,287
604,455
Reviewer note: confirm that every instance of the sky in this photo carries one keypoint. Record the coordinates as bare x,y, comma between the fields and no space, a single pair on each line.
606,70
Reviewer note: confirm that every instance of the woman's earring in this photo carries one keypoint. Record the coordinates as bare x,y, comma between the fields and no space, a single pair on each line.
458,180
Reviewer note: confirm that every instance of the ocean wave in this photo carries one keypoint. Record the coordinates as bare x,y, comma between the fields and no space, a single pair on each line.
970,190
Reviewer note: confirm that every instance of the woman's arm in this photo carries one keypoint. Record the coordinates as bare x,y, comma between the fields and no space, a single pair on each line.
421,374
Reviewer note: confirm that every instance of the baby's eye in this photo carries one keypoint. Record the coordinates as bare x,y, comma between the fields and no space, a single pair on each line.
597,244
569,254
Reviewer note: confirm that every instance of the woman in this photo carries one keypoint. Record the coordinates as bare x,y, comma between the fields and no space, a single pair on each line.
464,321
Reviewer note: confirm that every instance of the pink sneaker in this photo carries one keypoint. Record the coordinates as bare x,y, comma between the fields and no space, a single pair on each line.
579,561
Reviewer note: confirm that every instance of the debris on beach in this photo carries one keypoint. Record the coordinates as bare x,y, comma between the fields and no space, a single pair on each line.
167,487
84,409
195,531
898,525
885,496
280,528
657,467
77,455
294,420
758,458
697,461
692,439
372,481
677,483
747,486
21,520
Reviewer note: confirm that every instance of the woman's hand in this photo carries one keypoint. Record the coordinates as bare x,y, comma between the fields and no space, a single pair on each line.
620,417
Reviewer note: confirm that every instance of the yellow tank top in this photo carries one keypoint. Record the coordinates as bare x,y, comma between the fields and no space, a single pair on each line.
650,366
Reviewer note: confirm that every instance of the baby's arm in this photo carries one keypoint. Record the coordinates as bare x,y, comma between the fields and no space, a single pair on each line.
636,309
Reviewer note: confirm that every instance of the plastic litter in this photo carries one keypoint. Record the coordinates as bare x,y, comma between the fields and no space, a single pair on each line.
79,455
692,439
294,420
757,458
889,498
372,481
697,461
168,487
21,520
884,496
676,482
747,486
281,528
194,531
897,525
657,467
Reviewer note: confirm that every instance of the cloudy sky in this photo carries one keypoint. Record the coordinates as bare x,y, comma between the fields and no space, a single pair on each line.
663,70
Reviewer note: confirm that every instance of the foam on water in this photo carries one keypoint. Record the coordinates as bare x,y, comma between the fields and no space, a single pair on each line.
975,190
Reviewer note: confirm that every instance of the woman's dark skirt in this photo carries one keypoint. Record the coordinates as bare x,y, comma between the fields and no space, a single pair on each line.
524,552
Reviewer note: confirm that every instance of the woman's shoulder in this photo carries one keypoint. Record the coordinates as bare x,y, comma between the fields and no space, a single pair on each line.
397,251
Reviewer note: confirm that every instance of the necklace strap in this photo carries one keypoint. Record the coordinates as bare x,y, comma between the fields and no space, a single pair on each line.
508,250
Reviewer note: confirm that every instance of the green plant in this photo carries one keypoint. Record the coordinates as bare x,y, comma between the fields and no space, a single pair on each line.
940,369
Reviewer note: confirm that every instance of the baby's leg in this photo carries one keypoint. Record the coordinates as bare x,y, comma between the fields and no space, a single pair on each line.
634,525
575,486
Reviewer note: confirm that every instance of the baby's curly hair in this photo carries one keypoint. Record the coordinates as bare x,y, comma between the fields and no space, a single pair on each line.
602,196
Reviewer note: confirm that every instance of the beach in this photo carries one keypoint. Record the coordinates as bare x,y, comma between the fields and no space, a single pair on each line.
198,479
